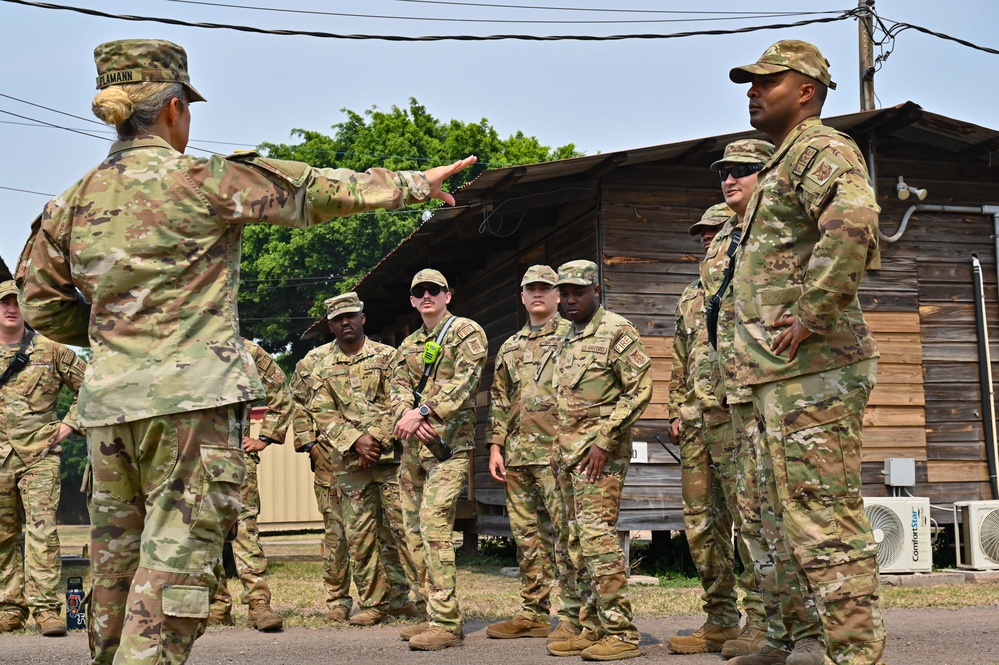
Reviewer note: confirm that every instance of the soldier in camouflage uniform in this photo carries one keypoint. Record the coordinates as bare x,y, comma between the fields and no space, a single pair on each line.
788,614
336,559
521,433
445,408
353,411
811,230
30,434
702,427
151,239
251,563
604,385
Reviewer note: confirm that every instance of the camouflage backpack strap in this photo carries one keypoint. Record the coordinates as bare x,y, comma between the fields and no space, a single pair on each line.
20,359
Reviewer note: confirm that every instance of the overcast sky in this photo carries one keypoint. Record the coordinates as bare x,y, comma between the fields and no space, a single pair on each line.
601,96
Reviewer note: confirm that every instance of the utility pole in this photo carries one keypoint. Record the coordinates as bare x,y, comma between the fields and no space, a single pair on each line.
865,26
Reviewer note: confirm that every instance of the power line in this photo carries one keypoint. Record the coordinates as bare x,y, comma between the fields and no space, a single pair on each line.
901,26
847,14
49,124
78,117
586,9
450,19
26,191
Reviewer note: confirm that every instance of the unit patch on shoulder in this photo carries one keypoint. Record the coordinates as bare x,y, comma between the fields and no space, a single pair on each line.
475,346
639,358
805,160
623,343
823,172
465,330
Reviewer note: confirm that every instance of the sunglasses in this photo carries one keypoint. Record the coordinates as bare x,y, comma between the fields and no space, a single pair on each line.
433,289
738,171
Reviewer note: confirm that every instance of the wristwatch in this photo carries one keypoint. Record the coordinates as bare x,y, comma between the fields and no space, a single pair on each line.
307,448
268,440
424,410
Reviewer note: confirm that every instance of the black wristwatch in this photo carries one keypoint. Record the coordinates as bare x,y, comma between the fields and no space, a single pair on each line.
424,410
307,448
268,440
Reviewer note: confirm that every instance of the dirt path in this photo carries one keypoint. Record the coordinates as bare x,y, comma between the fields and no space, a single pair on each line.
967,636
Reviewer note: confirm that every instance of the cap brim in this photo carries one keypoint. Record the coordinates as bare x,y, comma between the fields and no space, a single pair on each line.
746,73
700,227
734,160
536,280
346,310
193,95
573,280
428,281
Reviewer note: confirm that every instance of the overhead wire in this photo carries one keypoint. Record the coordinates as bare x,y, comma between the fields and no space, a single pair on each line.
580,9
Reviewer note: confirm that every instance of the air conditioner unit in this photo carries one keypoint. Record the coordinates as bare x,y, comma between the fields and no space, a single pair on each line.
980,527
902,531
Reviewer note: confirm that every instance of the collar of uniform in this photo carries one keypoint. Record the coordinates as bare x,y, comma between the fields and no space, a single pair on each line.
437,328
546,329
792,136
139,142
338,354
591,327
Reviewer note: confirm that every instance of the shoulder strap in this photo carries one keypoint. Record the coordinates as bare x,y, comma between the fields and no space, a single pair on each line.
428,367
711,317
20,359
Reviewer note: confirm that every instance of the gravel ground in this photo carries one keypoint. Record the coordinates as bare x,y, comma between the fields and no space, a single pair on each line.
968,636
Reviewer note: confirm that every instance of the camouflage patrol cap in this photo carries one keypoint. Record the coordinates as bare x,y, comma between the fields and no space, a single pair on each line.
579,272
540,273
713,218
746,151
429,276
142,60
345,303
787,54
7,288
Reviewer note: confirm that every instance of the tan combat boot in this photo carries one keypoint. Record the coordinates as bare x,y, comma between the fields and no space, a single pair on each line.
436,638
573,646
368,617
263,617
767,655
750,640
409,632
563,631
611,647
338,614
807,652
11,621
709,638
518,626
220,615
50,624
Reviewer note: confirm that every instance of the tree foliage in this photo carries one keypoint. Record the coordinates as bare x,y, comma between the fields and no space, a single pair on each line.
287,273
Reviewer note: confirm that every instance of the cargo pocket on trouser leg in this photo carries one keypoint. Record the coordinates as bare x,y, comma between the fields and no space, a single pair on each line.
851,613
185,613
216,508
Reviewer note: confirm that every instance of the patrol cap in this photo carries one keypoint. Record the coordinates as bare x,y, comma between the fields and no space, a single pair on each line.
7,288
345,303
786,54
540,273
713,218
579,272
142,60
746,151
429,276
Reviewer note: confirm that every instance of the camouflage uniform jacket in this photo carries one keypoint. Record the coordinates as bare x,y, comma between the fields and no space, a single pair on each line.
712,267
603,381
694,379
812,230
305,392
151,237
277,420
450,391
522,397
28,401
353,400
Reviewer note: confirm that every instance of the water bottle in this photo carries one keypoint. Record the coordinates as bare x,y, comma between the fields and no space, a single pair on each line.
76,618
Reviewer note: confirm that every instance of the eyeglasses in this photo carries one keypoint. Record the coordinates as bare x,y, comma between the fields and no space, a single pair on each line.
433,289
738,171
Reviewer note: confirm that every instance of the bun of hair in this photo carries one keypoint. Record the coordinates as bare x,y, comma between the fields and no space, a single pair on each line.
113,105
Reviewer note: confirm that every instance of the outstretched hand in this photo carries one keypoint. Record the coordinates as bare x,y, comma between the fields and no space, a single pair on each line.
437,175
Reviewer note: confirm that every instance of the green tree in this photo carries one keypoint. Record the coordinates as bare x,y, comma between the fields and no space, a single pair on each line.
287,273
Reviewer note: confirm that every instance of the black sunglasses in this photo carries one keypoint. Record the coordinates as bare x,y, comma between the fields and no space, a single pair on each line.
738,171
433,289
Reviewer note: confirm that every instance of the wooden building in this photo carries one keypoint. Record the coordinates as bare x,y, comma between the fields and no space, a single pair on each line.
629,211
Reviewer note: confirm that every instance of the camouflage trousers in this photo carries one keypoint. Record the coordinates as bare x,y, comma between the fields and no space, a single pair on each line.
789,613
30,492
165,494
537,516
336,556
372,517
430,492
594,549
707,478
813,439
251,564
